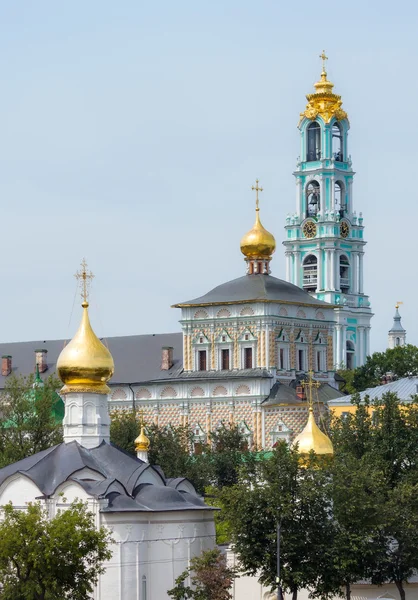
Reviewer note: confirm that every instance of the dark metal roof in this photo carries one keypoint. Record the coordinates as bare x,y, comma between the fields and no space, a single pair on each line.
120,478
282,393
256,288
137,357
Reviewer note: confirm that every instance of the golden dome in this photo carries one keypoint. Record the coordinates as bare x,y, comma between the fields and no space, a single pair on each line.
258,242
85,364
312,438
142,443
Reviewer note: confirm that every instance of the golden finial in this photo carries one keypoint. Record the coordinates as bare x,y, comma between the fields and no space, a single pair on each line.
142,443
84,278
310,383
323,57
397,305
256,189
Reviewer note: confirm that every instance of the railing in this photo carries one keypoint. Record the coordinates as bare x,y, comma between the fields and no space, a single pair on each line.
310,281
344,282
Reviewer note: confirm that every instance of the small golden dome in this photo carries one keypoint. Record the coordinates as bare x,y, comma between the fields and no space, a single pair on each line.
85,364
142,443
312,438
258,242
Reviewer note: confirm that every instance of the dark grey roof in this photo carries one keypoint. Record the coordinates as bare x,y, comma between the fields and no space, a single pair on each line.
137,357
397,325
120,471
256,288
281,393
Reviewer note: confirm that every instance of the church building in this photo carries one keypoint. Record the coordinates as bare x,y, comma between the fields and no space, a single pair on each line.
324,236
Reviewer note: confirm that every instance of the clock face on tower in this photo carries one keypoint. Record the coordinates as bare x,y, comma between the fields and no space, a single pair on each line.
344,229
309,229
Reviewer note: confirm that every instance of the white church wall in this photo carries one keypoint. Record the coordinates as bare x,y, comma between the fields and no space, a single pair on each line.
19,490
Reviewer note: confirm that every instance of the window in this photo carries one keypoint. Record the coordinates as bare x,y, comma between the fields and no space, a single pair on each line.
225,360
202,360
281,358
246,337
349,362
398,341
318,361
310,273
339,201
337,142
301,360
314,142
313,204
248,358
344,274
144,587
224,338
200,340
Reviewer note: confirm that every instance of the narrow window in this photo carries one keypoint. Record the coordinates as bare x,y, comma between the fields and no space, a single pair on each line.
398,341
225,360
248,358
318,361
246,336
314,142
144,588
337,142
301,361
202,360
281,358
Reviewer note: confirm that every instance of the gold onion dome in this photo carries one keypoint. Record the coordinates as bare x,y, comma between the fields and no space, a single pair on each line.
142,443
312,438
85,364
258,242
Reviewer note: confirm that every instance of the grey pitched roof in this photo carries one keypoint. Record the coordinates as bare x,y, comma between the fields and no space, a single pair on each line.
120,478
282,393
404,388
256,288
137,357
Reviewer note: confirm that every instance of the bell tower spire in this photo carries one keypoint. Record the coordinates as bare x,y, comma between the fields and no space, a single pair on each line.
324,236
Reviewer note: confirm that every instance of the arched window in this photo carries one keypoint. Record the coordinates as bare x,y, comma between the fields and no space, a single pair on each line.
314,142
144,587
339,201
337,142
349,355
313,199
310,273
344,274
398,341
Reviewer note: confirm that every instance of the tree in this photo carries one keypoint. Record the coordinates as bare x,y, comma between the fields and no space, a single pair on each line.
227,453
282,489
30,417
124,429
50,559
401,361
211,578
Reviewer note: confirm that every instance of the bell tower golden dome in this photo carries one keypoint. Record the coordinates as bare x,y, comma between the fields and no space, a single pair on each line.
85,365
258,244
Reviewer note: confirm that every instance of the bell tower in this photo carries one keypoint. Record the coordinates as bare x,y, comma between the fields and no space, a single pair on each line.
324,243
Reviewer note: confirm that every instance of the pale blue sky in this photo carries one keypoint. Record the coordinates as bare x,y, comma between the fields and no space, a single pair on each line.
131,133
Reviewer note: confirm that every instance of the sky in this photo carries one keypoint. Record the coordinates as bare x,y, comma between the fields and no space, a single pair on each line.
131,133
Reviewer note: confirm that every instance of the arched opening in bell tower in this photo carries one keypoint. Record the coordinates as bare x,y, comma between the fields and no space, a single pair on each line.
337,142
349,355
339,199
314,142
310,273
344,274
313,199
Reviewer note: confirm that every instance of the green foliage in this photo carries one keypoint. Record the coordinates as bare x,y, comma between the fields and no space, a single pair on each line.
347,385
401,361
282,490
124,429
50,559
28,421
211,579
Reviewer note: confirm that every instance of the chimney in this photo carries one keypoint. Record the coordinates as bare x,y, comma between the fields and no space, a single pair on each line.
300,392
40,360
166,358
6,365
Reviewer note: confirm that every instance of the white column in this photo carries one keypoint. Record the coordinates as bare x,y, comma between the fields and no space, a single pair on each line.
332,207
343,345
332,286
321,194
360,346
296,255
298,195
338,346
360,273
86,419
288,266
319,269
267,346
354,272
367,340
